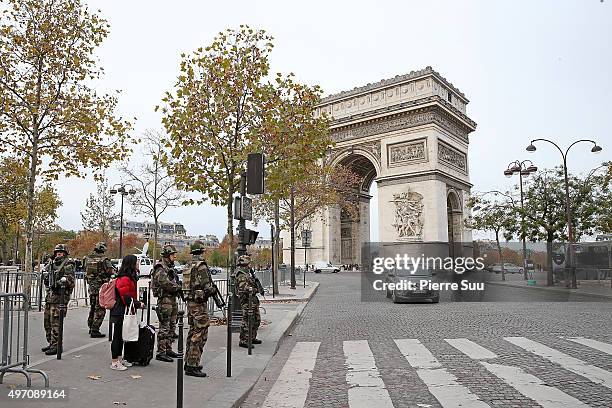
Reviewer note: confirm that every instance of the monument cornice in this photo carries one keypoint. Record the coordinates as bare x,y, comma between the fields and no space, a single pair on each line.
424,176
432,113
398,79
389,110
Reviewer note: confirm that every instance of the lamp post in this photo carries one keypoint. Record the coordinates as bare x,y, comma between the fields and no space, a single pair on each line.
123,189
523,170
570,229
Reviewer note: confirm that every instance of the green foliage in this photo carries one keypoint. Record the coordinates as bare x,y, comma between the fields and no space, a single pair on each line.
544,211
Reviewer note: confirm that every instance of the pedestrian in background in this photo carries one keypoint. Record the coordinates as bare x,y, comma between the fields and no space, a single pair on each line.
127,294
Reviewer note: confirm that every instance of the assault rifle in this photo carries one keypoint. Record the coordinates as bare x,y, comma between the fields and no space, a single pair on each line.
260,288
216,295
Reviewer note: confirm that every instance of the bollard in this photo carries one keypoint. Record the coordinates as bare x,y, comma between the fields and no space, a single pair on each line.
305,270
228,355
179,361
62,307
40,292
250,325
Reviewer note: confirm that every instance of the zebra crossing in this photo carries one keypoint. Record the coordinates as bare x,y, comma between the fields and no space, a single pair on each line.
366,387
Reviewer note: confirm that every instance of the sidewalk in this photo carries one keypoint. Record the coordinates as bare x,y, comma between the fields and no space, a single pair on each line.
84,369
585,287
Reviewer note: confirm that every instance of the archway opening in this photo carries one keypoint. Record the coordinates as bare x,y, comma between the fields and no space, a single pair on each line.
355,226
453,211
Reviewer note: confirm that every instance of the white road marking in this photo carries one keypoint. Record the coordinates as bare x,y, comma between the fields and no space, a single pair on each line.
366,388
440,383
417,354
593,373
291,387
471,349
534,388
594,344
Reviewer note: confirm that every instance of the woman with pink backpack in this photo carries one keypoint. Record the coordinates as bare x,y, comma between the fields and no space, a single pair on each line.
126,295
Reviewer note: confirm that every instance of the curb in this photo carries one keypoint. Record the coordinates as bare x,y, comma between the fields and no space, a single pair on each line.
283,328
309,294
552,289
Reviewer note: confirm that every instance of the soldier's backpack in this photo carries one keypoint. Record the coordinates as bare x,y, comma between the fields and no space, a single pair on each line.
106,295
92,268
154,282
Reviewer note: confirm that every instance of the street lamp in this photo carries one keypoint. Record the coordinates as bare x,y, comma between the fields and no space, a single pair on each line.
523,170
570,230
124,190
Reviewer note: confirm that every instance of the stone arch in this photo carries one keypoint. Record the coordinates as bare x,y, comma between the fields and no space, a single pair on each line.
355,230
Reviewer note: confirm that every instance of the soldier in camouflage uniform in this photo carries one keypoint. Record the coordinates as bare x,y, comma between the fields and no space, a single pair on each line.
166,287
98,269
197,288
58,267
247,288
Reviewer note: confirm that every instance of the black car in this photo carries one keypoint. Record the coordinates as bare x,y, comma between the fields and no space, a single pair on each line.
409,286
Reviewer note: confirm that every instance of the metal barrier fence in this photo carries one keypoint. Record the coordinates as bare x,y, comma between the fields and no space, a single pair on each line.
14,340
15,281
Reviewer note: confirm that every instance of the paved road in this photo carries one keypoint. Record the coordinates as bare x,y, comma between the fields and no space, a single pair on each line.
535,351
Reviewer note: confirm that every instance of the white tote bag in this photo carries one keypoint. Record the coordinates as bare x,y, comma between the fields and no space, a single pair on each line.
130,324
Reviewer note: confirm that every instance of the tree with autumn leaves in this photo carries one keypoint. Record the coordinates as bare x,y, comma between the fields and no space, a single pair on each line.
50,115
224,106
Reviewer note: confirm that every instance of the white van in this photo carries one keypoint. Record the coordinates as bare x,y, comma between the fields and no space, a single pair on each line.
146,263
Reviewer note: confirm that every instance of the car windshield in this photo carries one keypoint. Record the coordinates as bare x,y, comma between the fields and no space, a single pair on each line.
411,272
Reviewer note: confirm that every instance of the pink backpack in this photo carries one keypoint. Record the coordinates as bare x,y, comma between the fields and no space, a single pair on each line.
106,296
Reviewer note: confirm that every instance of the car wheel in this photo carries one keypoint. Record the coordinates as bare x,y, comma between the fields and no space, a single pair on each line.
335,271
435,299
317,271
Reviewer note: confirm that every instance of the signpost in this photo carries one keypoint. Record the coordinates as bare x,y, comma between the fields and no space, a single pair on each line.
251,180
306,242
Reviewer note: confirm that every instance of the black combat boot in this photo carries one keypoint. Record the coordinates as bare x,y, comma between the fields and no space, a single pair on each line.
194,371
243,344
51,350
171,353
45,348
257,341
95,334
163,357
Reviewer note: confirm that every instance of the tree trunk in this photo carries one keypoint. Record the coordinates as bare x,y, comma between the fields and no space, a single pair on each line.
501,260
292,227
549,262
30,202
277,247
230,225
154,253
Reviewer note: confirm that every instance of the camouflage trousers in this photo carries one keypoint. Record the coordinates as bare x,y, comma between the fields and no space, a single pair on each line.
167,313
96,313
255,319
197,316
52,322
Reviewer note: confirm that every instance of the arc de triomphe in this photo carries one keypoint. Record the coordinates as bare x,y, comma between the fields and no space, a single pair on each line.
409,134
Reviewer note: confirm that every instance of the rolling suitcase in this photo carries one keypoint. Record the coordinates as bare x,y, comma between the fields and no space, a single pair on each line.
141,352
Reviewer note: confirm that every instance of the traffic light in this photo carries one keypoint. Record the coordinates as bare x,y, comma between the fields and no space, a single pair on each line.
255,173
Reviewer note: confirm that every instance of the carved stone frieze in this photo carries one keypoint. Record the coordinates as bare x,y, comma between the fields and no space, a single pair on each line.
408,215
452,157
393,123
414,151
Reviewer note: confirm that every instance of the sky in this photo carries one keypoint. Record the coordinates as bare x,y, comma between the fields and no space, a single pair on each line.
529,68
